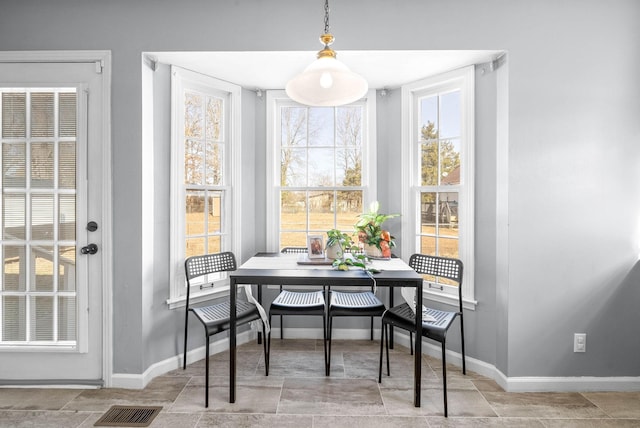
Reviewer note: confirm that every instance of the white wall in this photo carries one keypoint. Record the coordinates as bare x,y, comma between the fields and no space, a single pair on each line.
569,238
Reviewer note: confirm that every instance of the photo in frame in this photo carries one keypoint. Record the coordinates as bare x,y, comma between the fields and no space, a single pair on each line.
315,247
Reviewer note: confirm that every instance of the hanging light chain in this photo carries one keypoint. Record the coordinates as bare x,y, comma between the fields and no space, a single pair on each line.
326,17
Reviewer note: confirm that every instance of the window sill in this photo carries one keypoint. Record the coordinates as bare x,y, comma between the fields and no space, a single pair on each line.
200,296
448,299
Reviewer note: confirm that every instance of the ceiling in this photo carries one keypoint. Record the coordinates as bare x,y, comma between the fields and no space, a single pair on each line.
272,70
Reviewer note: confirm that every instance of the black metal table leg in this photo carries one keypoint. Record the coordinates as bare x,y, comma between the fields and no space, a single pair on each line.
418,348
390,334
259,301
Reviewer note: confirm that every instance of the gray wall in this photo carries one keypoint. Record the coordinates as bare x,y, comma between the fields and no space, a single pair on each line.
558,236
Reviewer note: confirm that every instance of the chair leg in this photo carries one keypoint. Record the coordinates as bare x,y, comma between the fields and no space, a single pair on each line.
411,341
324,341
281,328
386,333
186,330
444,377
206,372
464,365
383,327
328,371
281,322
371,328
268,342
261,337
266,349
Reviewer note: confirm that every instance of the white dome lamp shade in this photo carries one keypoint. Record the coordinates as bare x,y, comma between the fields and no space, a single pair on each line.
326,81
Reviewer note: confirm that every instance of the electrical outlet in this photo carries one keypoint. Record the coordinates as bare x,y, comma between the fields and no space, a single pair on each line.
580,342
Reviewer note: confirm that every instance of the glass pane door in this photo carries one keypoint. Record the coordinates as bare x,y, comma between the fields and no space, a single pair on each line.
38,209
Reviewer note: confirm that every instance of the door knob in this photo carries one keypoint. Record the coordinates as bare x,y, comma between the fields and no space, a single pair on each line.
89,249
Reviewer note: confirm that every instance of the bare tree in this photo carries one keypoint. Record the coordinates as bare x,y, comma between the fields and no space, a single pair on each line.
349,135
294,127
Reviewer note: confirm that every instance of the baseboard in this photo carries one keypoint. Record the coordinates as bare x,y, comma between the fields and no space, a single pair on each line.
139,381
568,384
509,384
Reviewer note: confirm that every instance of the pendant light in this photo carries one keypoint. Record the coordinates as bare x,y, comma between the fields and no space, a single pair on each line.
326,81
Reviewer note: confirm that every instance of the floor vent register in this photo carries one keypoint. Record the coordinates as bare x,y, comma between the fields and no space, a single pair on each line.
128,416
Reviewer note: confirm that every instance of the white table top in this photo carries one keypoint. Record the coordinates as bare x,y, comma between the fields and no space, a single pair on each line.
290,262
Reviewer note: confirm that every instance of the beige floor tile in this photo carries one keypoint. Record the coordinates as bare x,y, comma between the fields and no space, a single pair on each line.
617,404
402,364
461,402
473,422
331,396
162,391
255,421
340,345
543,405
369,422
361,365
36,398
488,385
174,420
247,363
428,381
44,419
307,345
259,394
590,423
295,364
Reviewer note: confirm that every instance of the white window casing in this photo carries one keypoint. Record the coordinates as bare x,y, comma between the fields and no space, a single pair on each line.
184,80
462,80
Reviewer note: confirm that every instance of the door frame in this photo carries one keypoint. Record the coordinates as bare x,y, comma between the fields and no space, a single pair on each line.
102,59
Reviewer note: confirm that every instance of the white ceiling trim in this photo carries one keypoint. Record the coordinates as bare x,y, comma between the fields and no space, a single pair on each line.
272,70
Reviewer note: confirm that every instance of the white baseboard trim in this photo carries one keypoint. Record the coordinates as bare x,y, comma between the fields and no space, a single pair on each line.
568,384
509,384
139,381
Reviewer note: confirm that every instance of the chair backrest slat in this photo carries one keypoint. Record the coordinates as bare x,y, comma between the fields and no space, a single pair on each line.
197,266
443,267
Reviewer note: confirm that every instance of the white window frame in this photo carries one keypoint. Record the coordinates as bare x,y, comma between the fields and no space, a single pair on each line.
182,80
464,80
278,98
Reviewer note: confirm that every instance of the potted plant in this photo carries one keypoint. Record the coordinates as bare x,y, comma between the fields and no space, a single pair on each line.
337,243
376,240
359,260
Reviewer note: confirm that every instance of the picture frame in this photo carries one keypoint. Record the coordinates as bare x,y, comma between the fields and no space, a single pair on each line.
315,247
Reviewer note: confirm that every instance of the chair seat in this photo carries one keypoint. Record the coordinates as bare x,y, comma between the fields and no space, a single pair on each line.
216,317
358,304
403,316
291,302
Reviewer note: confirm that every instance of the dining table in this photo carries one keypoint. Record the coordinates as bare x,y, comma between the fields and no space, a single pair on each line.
267,268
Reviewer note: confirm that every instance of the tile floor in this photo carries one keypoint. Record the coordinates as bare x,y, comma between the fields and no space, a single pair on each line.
297,394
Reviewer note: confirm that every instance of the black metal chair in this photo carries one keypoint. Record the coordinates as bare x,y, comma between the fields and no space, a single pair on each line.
403,315
299,303
215,318
352,304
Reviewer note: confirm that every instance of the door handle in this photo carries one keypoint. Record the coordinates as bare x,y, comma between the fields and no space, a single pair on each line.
89,249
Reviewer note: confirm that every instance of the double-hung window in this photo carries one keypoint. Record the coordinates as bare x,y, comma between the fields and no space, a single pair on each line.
438,196
320,168
204,143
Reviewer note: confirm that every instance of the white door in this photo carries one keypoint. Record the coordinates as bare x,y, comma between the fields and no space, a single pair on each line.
51,321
